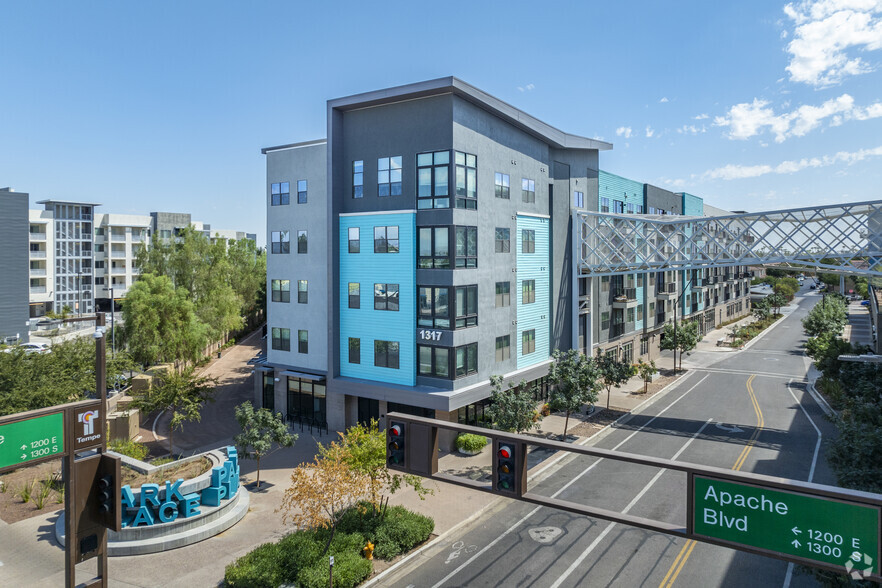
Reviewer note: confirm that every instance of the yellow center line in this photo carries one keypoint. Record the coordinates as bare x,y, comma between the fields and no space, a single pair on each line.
687,548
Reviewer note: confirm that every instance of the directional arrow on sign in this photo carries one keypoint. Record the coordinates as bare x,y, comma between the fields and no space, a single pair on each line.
24,456
732,429
795,543
796,531
23,447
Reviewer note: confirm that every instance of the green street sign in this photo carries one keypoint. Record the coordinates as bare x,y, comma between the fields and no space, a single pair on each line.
811,527
34,438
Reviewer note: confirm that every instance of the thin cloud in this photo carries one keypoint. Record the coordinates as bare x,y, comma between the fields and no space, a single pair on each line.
664,99
826,35
692,130
701,116
739,172
649,132
749,119
527,88
624,132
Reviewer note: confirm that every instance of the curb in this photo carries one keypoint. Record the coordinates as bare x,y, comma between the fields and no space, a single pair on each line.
533,476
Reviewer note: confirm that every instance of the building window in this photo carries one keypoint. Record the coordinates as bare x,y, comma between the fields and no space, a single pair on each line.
630,208
503,294
466,180
628,353
604,283
303,341
302,291
503,189
389,176
386,297
579,199
630,315
466,306
358,179
639,312
604,320
307,402
280,195
618,207
301,242
638,208
466,247
281,241
528,241
433,361
281,290
301,191
503,240
604,205
433,177
503,348
99,281
639,280
354,242
98,265
386,354
354,350
528,190
434,247
467,360
528,342
528,292
385,239
354,295
281,339
434,310
644,346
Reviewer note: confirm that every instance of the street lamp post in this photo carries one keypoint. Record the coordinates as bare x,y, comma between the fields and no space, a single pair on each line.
112,324
677,341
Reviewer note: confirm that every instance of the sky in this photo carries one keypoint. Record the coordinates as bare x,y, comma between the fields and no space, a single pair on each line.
141,106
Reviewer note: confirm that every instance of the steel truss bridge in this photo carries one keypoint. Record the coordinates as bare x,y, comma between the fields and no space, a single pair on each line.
845,238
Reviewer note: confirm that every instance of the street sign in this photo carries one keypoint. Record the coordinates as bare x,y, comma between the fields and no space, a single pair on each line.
31,439
815,528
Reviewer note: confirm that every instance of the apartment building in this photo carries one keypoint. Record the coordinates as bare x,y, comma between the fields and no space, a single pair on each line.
14,261
428,241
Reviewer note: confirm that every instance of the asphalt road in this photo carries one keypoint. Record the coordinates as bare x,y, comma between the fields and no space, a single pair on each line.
757,394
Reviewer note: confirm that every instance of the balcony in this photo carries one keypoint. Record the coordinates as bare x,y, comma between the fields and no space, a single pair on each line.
37,255
660,318
694,308
116,237
118,253
699,284
715,279
37,236
37,289
118,270
666,291
38,272
624,298
617,330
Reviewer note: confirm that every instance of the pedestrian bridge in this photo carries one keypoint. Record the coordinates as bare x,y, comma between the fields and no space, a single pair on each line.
845,238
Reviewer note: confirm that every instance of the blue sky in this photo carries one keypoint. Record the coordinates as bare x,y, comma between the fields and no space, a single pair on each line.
753,105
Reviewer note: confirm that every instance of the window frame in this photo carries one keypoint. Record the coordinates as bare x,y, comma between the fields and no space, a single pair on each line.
283,290
467,165
578,199
428,315
356,248
282,342
468,258
355,350
386,349
434,261
302,341
528,340
434,170
503,348
503,299
280,242
302,242
528,291
470,360
467,316
279,196
502,186
383,297
301,194
354,297
502,245
435,362
390,172
302,291
528,190
528,240
386,239
358,178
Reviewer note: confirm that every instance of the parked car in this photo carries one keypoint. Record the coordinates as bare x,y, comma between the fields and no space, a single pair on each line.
865,303
30,348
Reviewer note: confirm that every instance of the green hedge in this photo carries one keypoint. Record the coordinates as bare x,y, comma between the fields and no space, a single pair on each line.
396,533
471,442
129,448
261,568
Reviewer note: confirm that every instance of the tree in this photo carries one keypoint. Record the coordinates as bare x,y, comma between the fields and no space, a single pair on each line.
181,394
683,339
646,371
320,492
365,452
260,429
613,371
160,324
762,309
828,316
576,381
513,409
776,301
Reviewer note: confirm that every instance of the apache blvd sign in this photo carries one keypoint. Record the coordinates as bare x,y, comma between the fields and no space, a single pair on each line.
817,528
31,439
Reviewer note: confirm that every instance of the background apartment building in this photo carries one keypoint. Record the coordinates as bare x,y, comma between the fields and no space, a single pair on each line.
14,261
426,244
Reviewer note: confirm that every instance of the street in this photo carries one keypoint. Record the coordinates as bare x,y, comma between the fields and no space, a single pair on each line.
749,411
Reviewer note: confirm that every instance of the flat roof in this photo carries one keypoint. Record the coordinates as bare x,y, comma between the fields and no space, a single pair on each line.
453,85
266,150
53,201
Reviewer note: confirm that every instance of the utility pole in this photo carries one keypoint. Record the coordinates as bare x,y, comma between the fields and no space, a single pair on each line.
676,340
112,324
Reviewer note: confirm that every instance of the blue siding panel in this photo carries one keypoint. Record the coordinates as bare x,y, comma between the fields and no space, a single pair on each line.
618,188
534,266
365,323
692,206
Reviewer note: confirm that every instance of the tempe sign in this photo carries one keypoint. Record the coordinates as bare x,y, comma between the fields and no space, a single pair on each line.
808,527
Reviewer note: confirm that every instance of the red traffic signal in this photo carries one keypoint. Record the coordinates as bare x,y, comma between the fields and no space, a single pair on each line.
395,445
396,430
505,452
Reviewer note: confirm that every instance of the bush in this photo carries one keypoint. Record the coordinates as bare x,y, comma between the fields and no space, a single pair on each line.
470,442
350,569
400,531
259,568
129,448
300,549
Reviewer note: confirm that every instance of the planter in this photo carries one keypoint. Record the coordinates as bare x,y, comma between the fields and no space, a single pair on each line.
467,452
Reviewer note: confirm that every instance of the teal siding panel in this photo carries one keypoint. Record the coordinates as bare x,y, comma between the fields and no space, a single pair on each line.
368,268
618,188
692,206
638,323
534,266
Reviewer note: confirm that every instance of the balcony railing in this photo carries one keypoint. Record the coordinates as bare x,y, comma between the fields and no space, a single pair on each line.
116,254
622,294
116,237
38,289
617,330
38,272
666,288
37,236
659,318
117,270
38,254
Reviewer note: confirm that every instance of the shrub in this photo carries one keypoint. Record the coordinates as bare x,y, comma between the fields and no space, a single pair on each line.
350,569
470,442
129,448
259,568
162,461
300,549
400,531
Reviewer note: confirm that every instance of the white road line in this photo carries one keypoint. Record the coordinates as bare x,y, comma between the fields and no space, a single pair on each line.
631,504
567,485
743,372
789,575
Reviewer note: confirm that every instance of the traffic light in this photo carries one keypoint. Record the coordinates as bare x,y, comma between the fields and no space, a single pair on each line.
105,494
506,480
395,445
108,488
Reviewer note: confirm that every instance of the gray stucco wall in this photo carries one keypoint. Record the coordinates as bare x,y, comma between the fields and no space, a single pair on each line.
169,221
661,198
14,261
290,165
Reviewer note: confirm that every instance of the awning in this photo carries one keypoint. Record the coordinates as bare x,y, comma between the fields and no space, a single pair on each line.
302,375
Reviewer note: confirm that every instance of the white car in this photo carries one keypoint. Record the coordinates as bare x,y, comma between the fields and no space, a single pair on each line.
30,348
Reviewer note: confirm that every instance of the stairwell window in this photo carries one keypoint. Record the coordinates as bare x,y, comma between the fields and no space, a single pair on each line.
528,342
301,191
389,176
528,292
528,241
503,187
358,179
528,190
